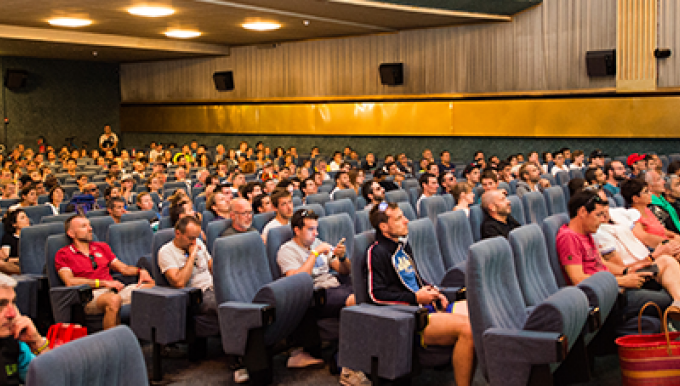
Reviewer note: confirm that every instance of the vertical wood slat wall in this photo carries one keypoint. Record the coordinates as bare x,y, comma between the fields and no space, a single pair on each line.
636,42
543,48
669,37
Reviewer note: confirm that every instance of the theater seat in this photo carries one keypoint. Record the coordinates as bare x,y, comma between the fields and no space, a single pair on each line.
554,200
455,237
534,207
517,208
344,205
430,207
346,193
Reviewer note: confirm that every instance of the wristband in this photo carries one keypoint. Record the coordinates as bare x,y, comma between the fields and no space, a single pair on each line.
96,283
42,348
315,253
342,259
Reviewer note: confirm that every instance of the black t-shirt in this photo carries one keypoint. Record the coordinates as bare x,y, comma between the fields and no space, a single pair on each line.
13,242
492,227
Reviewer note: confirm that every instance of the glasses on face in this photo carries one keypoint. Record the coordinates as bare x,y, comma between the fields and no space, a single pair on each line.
248,213
94,263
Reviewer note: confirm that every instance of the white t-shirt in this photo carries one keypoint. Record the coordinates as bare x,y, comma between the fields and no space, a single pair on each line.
619,236
292,256
557,169
112,137
169,256
274,223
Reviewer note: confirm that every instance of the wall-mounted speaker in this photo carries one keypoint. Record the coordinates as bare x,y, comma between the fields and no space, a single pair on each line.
224,81
392,74
601,63
15,79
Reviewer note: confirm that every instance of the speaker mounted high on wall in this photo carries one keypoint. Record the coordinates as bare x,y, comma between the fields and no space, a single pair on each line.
224,80
601,63
15,79
392,74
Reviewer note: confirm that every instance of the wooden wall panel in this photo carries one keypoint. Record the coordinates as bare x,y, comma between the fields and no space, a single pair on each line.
669,37
636,41
543,48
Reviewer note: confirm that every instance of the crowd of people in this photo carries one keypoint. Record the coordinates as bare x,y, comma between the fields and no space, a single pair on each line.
238,183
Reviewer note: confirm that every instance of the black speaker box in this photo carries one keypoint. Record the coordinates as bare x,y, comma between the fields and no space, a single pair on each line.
601,63
392,74
224,81
15,79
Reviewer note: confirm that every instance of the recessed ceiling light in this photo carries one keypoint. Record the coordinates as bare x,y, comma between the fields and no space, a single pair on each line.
182,34
261,26
151,11
305,22
69,22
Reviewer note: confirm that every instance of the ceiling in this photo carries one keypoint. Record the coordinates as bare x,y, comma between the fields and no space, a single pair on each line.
117,36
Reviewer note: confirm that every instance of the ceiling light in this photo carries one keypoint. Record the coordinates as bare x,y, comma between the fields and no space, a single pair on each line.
261,26
151,11
182,34
69,22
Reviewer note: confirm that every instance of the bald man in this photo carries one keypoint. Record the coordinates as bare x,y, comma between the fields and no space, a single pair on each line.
241,214
498,220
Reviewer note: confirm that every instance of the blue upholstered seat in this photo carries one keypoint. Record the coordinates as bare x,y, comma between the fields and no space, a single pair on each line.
350,194
37,212
455,237
32,246
318,198
426,253
535,209
399,195
408,211
100,226
517,208
260,220
344,205
476,218
554,200
431,207
131,241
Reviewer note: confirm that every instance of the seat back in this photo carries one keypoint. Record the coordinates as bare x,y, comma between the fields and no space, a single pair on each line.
240,267
100,226
350,194
534,207
359,266
576,173
130,240
513,186
7,202
58,218
362,222
32,246
318,198
550,178
449,200
493,293
423,241
107,358
341,206
562,178
620,202
335,227
413,194
37,212
398,195
207,217
532,264
554,200
409,183
261,219
165,223
517,208
214,230
408,211
275,239
160,238
476,219
147,215
551,226
361,203
52,246
431,207
505,186
455,237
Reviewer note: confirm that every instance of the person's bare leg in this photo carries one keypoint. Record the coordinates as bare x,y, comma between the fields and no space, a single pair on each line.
669,275
111,303
10,267
350,301
451,329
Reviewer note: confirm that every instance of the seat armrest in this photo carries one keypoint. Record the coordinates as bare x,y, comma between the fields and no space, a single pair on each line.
535,347
163,310
601,290
237,319
63,298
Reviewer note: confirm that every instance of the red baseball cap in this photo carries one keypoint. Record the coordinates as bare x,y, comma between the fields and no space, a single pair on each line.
635,157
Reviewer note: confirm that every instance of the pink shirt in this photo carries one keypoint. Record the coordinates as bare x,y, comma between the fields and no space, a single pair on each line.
577,249
651,224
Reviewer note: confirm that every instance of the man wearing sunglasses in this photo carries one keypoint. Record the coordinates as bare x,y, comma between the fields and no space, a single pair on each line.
85,262
373,192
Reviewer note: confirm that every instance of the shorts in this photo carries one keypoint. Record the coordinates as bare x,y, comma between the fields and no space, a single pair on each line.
125,294
335,300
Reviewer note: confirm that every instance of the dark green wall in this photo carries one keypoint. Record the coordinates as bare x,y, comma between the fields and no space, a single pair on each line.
462,148
61,99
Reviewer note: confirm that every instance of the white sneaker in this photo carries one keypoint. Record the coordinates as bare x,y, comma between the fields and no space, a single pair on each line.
241,376
353,378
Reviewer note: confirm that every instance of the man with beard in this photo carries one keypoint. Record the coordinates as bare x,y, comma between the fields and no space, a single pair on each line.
373,192
498,220
616,173
531,181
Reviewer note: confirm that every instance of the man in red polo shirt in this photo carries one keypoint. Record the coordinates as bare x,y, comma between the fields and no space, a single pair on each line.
87,262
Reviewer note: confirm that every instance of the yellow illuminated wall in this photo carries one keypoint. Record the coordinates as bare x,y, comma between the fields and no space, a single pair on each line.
646,116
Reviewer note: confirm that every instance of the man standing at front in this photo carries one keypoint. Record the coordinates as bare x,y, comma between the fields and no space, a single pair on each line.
87,262
393,278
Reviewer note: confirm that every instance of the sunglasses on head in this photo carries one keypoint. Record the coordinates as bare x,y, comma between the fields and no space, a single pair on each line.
94,263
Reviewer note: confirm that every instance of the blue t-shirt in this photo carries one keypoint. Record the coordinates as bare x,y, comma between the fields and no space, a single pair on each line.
405,270
611,189
25,358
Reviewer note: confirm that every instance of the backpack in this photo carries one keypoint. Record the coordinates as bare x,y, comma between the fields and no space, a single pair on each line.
82,203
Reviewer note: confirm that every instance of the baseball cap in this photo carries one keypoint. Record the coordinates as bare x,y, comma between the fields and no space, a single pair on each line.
635,157
597,153
470,167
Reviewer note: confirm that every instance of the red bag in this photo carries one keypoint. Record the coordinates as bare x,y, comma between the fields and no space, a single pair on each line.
62,333
652,359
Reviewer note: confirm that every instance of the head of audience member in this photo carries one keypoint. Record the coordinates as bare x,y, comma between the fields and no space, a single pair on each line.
389,221
463,192
433,169
342,180
428,184
530,173
615,172
636,193
81,180
558,159
263,203
578,157
56,195
284,173
304,225
496,204
78,229
637,162
370,158
597,158
505,171
286,184
180,173
595,176
127,182
116,208
587,211
144,201
9,312
111,192
489,181
154,183
187,231
672,188
282,200
479,158
270,185
575,185
241,214
357,178
533,158
447,181
238,180
218,203
373,192
14,221
9,190
250,190
445,157
427,154
337,158
547,157
309,187
655,183
29,197
494,160
181,207
673,168
472,174
91,189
